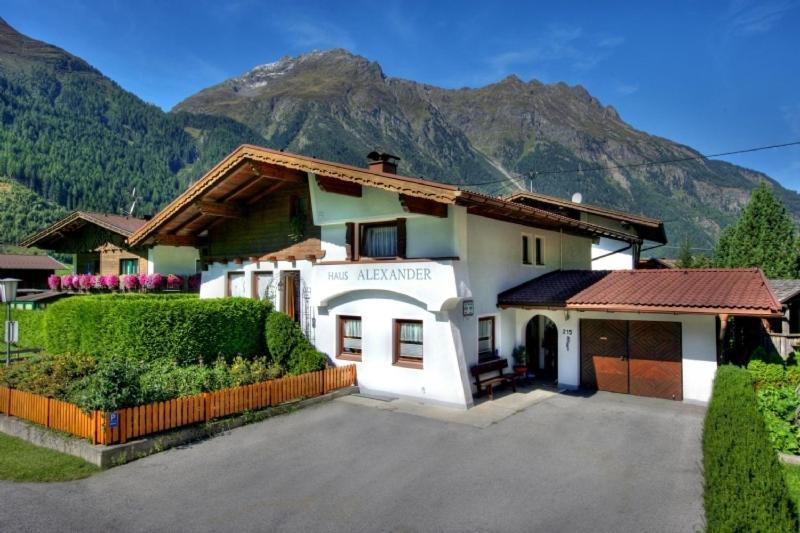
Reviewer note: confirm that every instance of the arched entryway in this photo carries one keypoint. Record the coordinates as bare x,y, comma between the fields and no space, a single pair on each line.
541,343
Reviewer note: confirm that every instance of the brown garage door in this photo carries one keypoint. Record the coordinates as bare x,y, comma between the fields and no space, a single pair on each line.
637,357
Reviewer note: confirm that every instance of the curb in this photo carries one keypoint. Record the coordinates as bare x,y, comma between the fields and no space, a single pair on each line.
119,454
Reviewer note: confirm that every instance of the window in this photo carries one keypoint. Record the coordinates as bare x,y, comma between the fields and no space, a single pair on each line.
236,284
350,338
526,250
408,343
539,251
128,266
485,338
261,285
379,240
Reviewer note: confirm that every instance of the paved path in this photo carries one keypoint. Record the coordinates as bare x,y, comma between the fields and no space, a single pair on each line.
567,463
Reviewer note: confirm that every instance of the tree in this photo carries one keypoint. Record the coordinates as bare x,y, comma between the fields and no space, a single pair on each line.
685,259
764,236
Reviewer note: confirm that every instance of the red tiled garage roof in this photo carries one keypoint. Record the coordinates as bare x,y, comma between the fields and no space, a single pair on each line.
705,291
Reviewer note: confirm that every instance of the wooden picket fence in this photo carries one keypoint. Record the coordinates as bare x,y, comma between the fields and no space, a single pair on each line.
133,422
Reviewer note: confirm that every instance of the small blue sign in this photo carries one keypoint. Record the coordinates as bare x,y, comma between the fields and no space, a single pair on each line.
113,421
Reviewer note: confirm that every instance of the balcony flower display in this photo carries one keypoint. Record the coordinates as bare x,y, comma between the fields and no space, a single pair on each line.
76,282
66,282
85,282
174,281
194,282
54,282
110,282
154,281
142,279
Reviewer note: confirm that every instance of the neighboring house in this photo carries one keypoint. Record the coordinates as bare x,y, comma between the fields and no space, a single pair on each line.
654,263
788,293
31,270
417,281
607,253
98,242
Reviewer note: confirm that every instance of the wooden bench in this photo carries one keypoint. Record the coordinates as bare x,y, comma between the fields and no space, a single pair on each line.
495,367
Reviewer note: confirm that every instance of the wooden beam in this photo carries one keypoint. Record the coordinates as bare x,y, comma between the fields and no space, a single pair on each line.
266,192
335,186
217,209
176,240
279,173
423,206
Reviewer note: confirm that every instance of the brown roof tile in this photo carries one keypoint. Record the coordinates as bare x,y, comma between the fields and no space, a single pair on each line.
29,262
706,291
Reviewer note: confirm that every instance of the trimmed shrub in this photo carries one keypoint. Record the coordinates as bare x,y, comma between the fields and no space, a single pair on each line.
289,347
282,335
31,328
179,329
744,484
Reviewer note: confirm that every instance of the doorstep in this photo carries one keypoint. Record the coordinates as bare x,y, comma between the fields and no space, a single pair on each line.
482,415
118,454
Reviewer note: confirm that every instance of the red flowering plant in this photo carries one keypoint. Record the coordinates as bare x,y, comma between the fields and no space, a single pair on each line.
66,282
54,282
154,281
142,281
111,282
76,282
194,282
129,282
174,281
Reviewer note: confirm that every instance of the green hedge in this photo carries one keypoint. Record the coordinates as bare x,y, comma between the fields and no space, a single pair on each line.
31,328
744,485
183,330
289,348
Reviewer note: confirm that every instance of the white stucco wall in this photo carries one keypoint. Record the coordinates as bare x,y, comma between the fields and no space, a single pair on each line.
698,345
180,260
618,261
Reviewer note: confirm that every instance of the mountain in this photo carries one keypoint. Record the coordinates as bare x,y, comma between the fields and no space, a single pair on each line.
79,141
340,106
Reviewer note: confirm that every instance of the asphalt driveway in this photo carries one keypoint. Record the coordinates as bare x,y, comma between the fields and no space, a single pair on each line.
601,463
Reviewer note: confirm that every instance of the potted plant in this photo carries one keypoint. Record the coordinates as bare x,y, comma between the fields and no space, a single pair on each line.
520,355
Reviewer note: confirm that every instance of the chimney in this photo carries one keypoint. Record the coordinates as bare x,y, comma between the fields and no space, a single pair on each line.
383,162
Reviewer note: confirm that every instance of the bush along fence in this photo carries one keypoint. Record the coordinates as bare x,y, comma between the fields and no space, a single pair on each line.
120,426
744,484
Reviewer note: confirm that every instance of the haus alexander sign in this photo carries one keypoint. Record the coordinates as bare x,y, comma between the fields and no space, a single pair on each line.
382,274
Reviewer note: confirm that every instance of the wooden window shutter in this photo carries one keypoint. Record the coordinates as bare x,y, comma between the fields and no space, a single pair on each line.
401,238
349,241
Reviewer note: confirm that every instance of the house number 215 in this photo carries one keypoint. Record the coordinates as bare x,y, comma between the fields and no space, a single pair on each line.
566,331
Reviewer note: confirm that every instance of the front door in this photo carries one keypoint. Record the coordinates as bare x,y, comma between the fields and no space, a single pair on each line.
604,355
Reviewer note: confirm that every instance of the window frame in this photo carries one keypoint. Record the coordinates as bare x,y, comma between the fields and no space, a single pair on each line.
128,260
492,353
362,236
538,251
527,258
405,361
228,282
254,282
340,353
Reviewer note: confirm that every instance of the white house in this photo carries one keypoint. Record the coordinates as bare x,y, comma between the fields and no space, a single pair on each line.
417,282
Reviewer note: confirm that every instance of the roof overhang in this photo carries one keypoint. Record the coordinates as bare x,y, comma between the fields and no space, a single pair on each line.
49,236
647,228
250,173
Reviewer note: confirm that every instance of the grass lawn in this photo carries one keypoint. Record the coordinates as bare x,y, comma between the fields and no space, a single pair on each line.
22,461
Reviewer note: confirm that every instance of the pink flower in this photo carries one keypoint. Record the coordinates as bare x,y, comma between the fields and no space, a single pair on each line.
174,281
54,282
142,280
112,282
66,282
154,281
85,282
130,282
76,282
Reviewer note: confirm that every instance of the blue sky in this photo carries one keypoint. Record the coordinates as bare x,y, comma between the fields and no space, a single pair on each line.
717,76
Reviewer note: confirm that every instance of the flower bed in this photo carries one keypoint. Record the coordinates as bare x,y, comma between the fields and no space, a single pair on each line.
125,282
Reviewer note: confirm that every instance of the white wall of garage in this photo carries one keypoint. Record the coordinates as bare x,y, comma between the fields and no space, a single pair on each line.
698,344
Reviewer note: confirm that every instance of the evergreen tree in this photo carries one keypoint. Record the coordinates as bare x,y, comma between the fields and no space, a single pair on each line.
685,259
764,236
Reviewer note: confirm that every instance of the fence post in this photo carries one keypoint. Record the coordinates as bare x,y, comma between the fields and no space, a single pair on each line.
48,412
206,406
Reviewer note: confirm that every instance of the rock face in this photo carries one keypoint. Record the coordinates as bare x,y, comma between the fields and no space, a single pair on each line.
340,106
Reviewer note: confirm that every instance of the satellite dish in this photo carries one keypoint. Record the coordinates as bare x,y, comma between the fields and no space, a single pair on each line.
577,198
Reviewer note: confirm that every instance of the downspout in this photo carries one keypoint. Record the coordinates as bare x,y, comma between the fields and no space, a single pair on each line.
561,248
